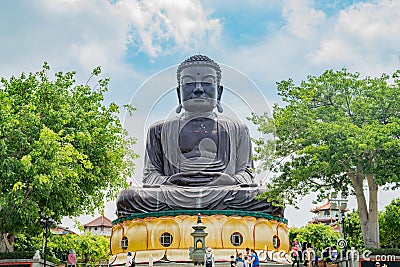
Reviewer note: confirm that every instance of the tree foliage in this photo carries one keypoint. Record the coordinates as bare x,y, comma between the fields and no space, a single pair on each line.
337,132
389,225
63,152
352,231
320,236
89,248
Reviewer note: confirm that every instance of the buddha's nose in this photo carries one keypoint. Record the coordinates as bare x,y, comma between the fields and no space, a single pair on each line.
199,89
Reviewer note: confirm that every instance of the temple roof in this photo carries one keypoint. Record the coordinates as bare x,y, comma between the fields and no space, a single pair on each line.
60,230
100,221
326,206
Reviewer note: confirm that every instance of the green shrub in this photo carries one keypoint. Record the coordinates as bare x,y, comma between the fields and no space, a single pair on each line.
17,255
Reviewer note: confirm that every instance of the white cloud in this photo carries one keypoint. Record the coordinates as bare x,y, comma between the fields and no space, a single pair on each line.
80,35
366,38
302,18
282,54
68,34
168,26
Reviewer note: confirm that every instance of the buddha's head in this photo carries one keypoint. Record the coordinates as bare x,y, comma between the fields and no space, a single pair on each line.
199,88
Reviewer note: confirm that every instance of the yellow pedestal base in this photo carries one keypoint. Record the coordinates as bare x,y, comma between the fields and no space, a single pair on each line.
226,235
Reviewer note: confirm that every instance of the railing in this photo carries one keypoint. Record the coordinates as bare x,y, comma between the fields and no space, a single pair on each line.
78,264
203,212
82,264
330,217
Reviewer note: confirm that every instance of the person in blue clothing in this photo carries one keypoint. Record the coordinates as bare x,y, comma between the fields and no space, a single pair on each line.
334,253
254,259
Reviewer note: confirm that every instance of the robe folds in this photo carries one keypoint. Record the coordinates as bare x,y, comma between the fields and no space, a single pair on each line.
163,159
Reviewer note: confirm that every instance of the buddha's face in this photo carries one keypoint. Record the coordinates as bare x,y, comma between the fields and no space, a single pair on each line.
198,88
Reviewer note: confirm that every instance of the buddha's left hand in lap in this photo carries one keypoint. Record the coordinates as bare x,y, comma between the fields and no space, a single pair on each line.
200,178
187,179
220,178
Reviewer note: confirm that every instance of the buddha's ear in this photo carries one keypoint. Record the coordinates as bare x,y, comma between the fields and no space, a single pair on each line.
179,108
178,91
219,92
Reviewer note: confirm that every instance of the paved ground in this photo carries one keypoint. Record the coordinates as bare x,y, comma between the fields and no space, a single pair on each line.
225,264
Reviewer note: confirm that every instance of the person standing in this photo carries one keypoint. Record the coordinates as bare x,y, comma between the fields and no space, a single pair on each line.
300,250
209,258
246,260
334,253
71,258
309,255
232,261
248,253
295,254
239,260
129,260
255,262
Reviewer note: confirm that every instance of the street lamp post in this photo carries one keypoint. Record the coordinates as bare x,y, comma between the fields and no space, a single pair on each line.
343,217
47,222
341,204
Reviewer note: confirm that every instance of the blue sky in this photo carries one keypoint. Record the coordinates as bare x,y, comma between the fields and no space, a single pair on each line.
267,41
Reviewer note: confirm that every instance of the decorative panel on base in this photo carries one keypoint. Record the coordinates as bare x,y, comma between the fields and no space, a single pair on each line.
166,236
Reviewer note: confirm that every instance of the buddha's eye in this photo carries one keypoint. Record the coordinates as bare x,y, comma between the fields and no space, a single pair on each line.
206,84
190,84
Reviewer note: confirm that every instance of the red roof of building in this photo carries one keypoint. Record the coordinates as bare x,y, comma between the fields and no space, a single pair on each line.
60,230
100,221
326,206
324,220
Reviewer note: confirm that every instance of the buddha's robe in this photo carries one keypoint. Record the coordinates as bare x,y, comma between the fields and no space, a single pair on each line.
164,158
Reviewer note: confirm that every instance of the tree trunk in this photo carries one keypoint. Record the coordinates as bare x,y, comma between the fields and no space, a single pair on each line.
7,242
372,236
368,216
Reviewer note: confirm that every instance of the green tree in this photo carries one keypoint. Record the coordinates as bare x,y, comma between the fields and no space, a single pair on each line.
389,225
89,248
59,245
27,242
92,249
320,236
337,132
63,152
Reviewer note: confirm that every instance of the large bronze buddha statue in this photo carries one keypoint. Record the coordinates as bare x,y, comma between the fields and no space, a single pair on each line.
198,159
196,162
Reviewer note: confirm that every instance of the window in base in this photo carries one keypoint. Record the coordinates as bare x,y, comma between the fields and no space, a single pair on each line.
236,239
166,239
